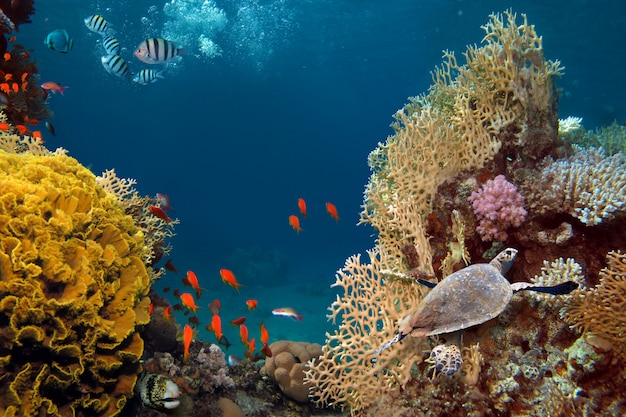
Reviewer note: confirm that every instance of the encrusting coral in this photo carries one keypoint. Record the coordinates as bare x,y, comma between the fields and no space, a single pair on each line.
73,291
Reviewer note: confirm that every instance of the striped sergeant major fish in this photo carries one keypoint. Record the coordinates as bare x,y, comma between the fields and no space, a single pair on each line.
157,51
98,24
111,45
148,76
115,64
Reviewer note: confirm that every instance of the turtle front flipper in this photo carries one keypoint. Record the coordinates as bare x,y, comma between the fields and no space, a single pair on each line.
559,289
398,337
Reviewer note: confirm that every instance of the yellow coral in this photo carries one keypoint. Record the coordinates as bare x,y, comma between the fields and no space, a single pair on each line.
601,310
73,288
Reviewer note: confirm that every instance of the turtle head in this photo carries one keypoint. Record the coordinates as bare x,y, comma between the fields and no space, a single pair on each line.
504,260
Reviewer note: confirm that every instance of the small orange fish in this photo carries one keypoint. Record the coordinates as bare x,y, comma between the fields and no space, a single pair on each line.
243,333
294,222
216,323
5,87
302,206
167,313
150,309
4,126
229,278
24,75
7,56
12,39
37,135
187,335
53,87
251,304
238,321
15,87
160,213
192,279
8,77
189,302
22,129
265,336
250,349
332,210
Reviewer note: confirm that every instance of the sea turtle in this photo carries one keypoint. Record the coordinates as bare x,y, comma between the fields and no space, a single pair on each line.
467,297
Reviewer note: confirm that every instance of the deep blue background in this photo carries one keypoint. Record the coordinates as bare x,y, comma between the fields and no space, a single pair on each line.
236,140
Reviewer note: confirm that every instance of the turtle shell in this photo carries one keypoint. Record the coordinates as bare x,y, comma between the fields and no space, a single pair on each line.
470,296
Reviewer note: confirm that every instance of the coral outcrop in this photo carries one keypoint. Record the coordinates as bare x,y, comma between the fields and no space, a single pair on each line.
493,117
73,289
288,364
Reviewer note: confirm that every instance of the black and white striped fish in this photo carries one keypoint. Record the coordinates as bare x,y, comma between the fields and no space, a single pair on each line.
147,76
98,24
157,51
115,64
111,45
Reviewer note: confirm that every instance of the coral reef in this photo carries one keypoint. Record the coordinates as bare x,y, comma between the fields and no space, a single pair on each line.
493,117
73,290
288,364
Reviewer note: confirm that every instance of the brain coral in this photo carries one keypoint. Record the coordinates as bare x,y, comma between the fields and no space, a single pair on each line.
72,291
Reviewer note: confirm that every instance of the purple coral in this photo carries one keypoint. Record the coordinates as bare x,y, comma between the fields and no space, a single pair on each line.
497,205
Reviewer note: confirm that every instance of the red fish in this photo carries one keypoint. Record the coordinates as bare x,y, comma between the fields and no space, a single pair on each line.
192,280
160,213
216,324
150,309
53,87
167,313
238,321
294,222
4,126
265,336
187,335
229,278
169,265
332,210
189,302
251,304
250,350
266,351
37,135
302,206
22,129
243,333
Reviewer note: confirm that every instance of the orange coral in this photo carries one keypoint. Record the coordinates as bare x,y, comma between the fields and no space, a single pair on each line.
73,288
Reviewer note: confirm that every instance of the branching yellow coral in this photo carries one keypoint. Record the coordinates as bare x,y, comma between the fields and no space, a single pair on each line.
73,290
348,374
602,310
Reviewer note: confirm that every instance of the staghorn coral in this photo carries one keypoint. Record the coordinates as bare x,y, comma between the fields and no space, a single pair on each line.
602,310
73,291
588,186
288,364
498,206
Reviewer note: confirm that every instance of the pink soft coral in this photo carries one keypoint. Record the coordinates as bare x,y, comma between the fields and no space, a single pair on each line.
497,205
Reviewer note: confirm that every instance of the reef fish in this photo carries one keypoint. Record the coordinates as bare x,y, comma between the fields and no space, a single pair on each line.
294,222
98,24
302,206
115,65
148,76
228,277
53,87
157,51
59,40
187,336
157,391
189,302
111,45
251,304
332,210
287,312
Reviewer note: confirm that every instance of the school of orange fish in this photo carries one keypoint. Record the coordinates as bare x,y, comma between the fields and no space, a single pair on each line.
188,301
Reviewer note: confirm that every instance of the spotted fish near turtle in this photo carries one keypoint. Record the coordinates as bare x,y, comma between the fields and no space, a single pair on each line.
467,297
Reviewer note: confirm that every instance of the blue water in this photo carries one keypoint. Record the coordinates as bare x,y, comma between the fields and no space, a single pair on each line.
302,93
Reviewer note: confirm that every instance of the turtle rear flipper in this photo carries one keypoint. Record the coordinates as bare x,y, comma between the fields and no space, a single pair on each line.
559,289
